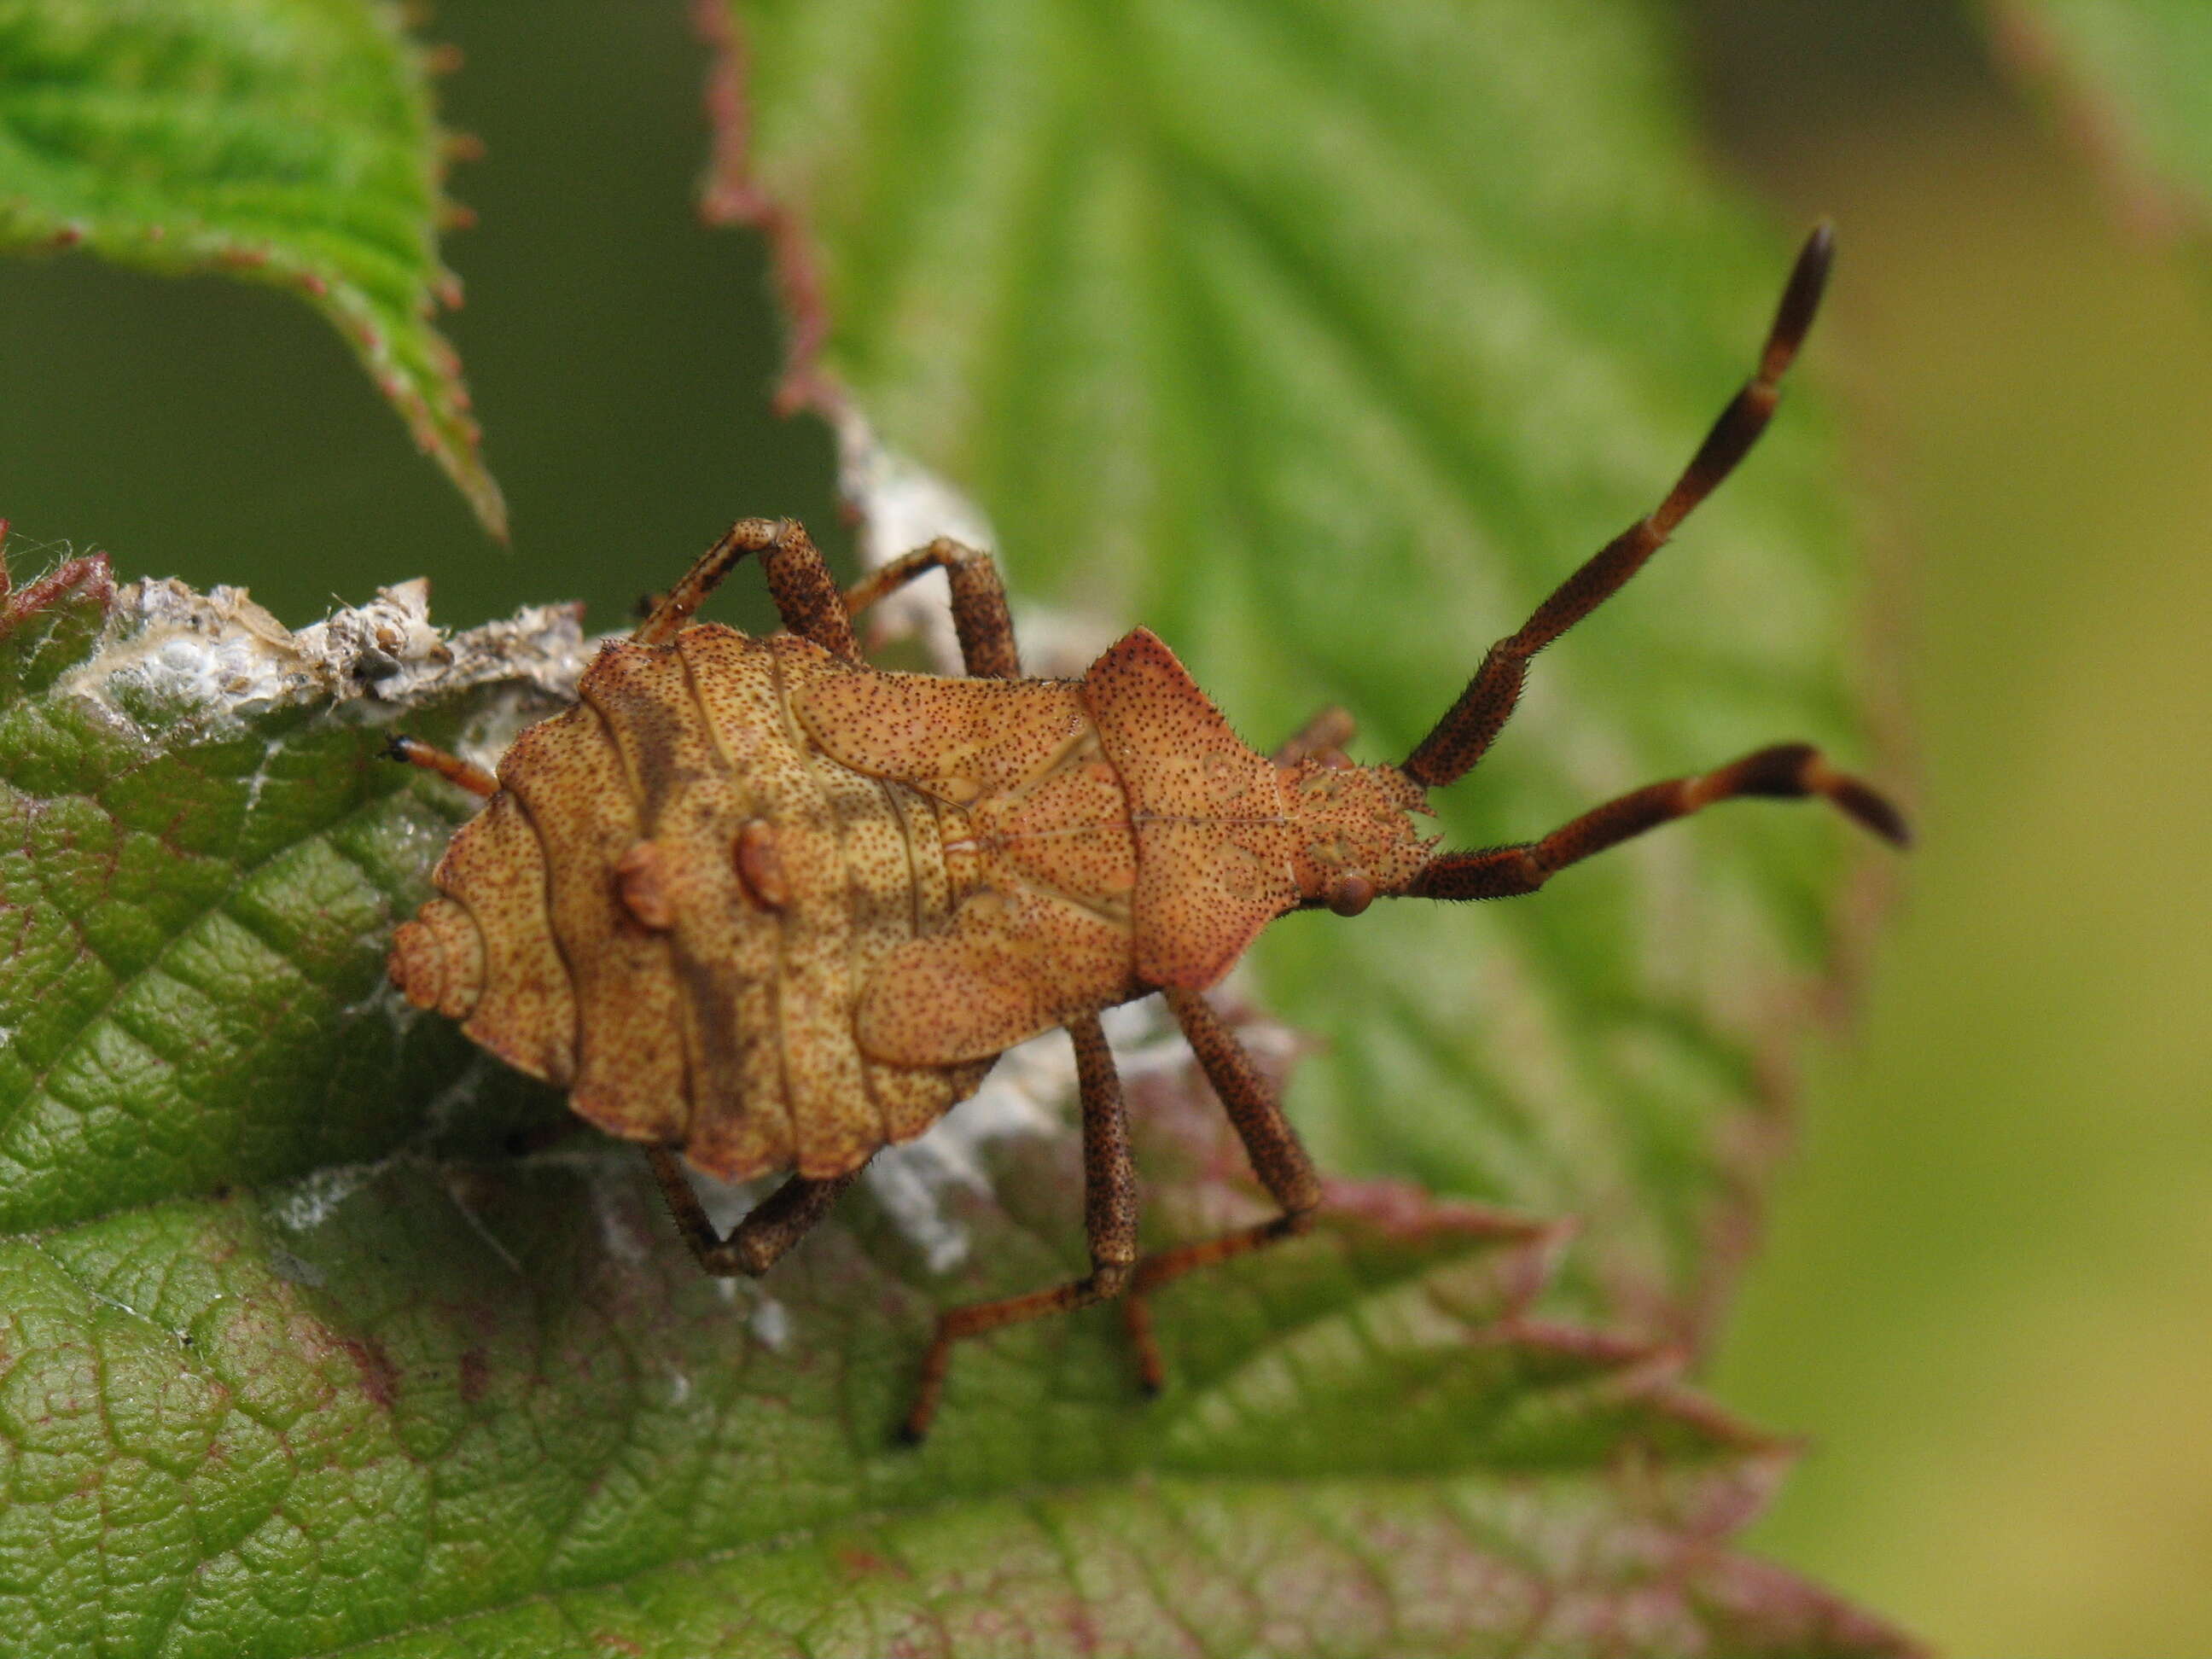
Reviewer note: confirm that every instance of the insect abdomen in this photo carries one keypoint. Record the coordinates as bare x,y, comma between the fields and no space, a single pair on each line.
712,889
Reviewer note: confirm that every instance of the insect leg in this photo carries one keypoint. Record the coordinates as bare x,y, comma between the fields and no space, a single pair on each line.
980,616
1465,732
806,597
757,1242
1109,1219
451,768
1279,1158
1789,770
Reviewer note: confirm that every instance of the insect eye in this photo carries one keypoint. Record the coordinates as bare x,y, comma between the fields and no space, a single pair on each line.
1353,892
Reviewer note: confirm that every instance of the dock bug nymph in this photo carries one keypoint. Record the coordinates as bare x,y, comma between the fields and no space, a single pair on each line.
761,907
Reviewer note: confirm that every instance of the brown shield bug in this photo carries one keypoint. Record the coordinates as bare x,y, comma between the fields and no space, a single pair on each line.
756,904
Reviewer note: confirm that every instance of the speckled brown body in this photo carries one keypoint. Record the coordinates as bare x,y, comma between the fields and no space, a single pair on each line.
632,948
779,909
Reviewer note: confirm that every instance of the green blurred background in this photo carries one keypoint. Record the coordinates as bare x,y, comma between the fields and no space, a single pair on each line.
1987,1293
1987,1289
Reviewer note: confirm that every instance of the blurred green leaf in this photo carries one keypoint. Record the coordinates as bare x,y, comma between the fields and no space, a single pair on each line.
287,142
2134,77
1324,340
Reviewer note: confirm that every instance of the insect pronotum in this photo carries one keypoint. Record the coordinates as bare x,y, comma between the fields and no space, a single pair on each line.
761,907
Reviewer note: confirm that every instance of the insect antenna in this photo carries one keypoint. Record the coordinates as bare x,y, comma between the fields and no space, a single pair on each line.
1784,770
1788,771
1464,734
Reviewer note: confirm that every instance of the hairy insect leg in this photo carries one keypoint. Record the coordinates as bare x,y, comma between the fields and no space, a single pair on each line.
1110,1220
1463,736
413,751
1322,736
758,1243
1786,770
805,595
1279,1158
980,616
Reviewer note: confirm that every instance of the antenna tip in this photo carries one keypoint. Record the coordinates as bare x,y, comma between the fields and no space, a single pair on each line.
1793,318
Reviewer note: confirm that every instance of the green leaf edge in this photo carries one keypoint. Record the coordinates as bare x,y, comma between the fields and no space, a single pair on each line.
413,367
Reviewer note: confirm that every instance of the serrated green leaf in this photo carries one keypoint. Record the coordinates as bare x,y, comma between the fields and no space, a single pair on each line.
444,1409
433,1403
2137,75
287,142
468,1405
195,907
1323,340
